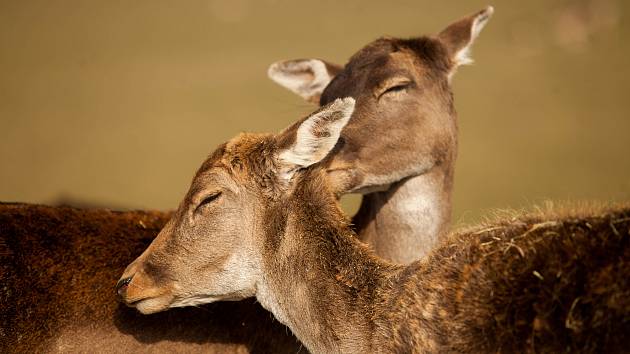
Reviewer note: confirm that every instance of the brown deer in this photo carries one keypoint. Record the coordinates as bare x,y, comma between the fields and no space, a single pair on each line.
84,317
261,219
405,166
58,266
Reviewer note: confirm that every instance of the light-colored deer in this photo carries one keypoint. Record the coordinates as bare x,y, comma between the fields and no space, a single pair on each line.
249,328
399,148
261,219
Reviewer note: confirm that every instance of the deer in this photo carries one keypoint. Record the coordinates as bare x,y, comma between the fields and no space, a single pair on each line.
121,335
406,172
261,219
58,266
79,320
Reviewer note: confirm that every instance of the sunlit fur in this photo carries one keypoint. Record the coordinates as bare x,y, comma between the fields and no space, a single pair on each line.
85,317
316,137
58,267
399,148
547,283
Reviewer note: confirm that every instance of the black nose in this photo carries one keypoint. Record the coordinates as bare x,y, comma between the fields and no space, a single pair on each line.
121,286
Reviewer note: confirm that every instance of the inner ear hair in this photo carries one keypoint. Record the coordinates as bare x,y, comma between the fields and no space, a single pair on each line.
306,77
316,136
460,35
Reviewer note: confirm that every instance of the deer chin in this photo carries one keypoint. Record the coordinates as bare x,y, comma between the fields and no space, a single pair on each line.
197,300
152,304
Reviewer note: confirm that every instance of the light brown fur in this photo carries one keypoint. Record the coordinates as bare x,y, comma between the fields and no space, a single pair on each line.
399,148
528,285
58,268
79,318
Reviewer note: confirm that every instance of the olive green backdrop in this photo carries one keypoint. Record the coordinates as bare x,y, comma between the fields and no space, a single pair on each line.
116,103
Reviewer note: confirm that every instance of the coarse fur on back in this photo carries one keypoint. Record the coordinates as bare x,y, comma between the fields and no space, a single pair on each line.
58,268
556,280
534,284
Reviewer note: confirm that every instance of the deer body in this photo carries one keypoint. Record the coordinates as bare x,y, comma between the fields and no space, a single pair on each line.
477,293
58,266
261,219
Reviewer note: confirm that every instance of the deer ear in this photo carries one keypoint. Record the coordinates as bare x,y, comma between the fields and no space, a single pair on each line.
306,77
309,141
460,35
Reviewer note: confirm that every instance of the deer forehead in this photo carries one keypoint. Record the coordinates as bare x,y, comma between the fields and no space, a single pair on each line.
384,59
401,66
415,52
407,59
246,143
216,178
243,151
249,157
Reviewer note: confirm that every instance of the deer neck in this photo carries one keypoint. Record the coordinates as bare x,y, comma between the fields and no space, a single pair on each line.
405,222
318,279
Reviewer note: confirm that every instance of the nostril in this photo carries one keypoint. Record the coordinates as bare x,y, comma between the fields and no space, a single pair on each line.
121,286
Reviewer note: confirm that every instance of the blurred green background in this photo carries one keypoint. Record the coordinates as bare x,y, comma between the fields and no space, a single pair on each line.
116,103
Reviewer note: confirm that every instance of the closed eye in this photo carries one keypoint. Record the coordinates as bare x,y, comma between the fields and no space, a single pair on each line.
395,88
207,200
399,87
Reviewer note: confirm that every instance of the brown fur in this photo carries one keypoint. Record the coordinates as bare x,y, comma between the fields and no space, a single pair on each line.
58,268
81,319
76,318
416,136
545,283
537,283
399,148
393,138
416,132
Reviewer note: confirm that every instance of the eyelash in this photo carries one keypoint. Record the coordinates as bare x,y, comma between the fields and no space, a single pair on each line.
395,89
207,200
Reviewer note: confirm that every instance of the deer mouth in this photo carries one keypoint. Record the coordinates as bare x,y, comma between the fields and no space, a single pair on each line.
150,305
145,303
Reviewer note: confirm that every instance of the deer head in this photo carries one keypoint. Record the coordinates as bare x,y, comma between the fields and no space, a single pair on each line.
404,123
213,246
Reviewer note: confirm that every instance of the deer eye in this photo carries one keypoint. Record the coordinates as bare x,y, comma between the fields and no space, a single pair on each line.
397,87
207,200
